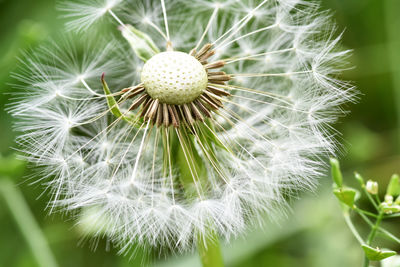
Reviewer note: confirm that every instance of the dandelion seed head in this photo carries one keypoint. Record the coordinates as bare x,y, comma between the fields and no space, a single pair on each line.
226,116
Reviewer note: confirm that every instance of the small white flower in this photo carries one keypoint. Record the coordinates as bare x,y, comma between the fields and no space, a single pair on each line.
215,129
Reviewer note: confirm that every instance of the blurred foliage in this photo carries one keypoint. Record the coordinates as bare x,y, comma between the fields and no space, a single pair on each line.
387,207
313,234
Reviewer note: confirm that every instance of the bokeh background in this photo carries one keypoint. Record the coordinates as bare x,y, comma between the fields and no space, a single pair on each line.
313,234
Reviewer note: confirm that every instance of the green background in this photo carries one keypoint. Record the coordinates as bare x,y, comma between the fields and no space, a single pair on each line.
313,234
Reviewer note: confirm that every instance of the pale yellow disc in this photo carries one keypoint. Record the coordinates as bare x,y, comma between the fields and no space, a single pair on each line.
174,78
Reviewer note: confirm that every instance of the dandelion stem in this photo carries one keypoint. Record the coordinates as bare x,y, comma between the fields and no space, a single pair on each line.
210,251
193,174
191,166
27,224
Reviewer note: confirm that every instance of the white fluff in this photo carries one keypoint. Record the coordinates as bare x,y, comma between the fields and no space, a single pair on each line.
284,50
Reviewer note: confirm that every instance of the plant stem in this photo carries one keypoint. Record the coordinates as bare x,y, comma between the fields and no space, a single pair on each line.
27,223
374,229
366,262
350,224
371,199
389,216
366,219
382,230
372,234
365,212
390,235
210,251
190,162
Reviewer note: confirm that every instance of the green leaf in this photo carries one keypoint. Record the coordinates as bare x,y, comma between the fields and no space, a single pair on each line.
336,173
375,254
141,43
346,195
393,188
112,103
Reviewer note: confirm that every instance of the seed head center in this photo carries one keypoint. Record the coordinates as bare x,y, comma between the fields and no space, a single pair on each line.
174,78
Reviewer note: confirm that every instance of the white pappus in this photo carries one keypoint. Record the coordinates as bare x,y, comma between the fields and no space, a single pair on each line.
164,164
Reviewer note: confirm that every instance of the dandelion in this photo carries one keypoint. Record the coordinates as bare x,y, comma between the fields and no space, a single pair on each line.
202,118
